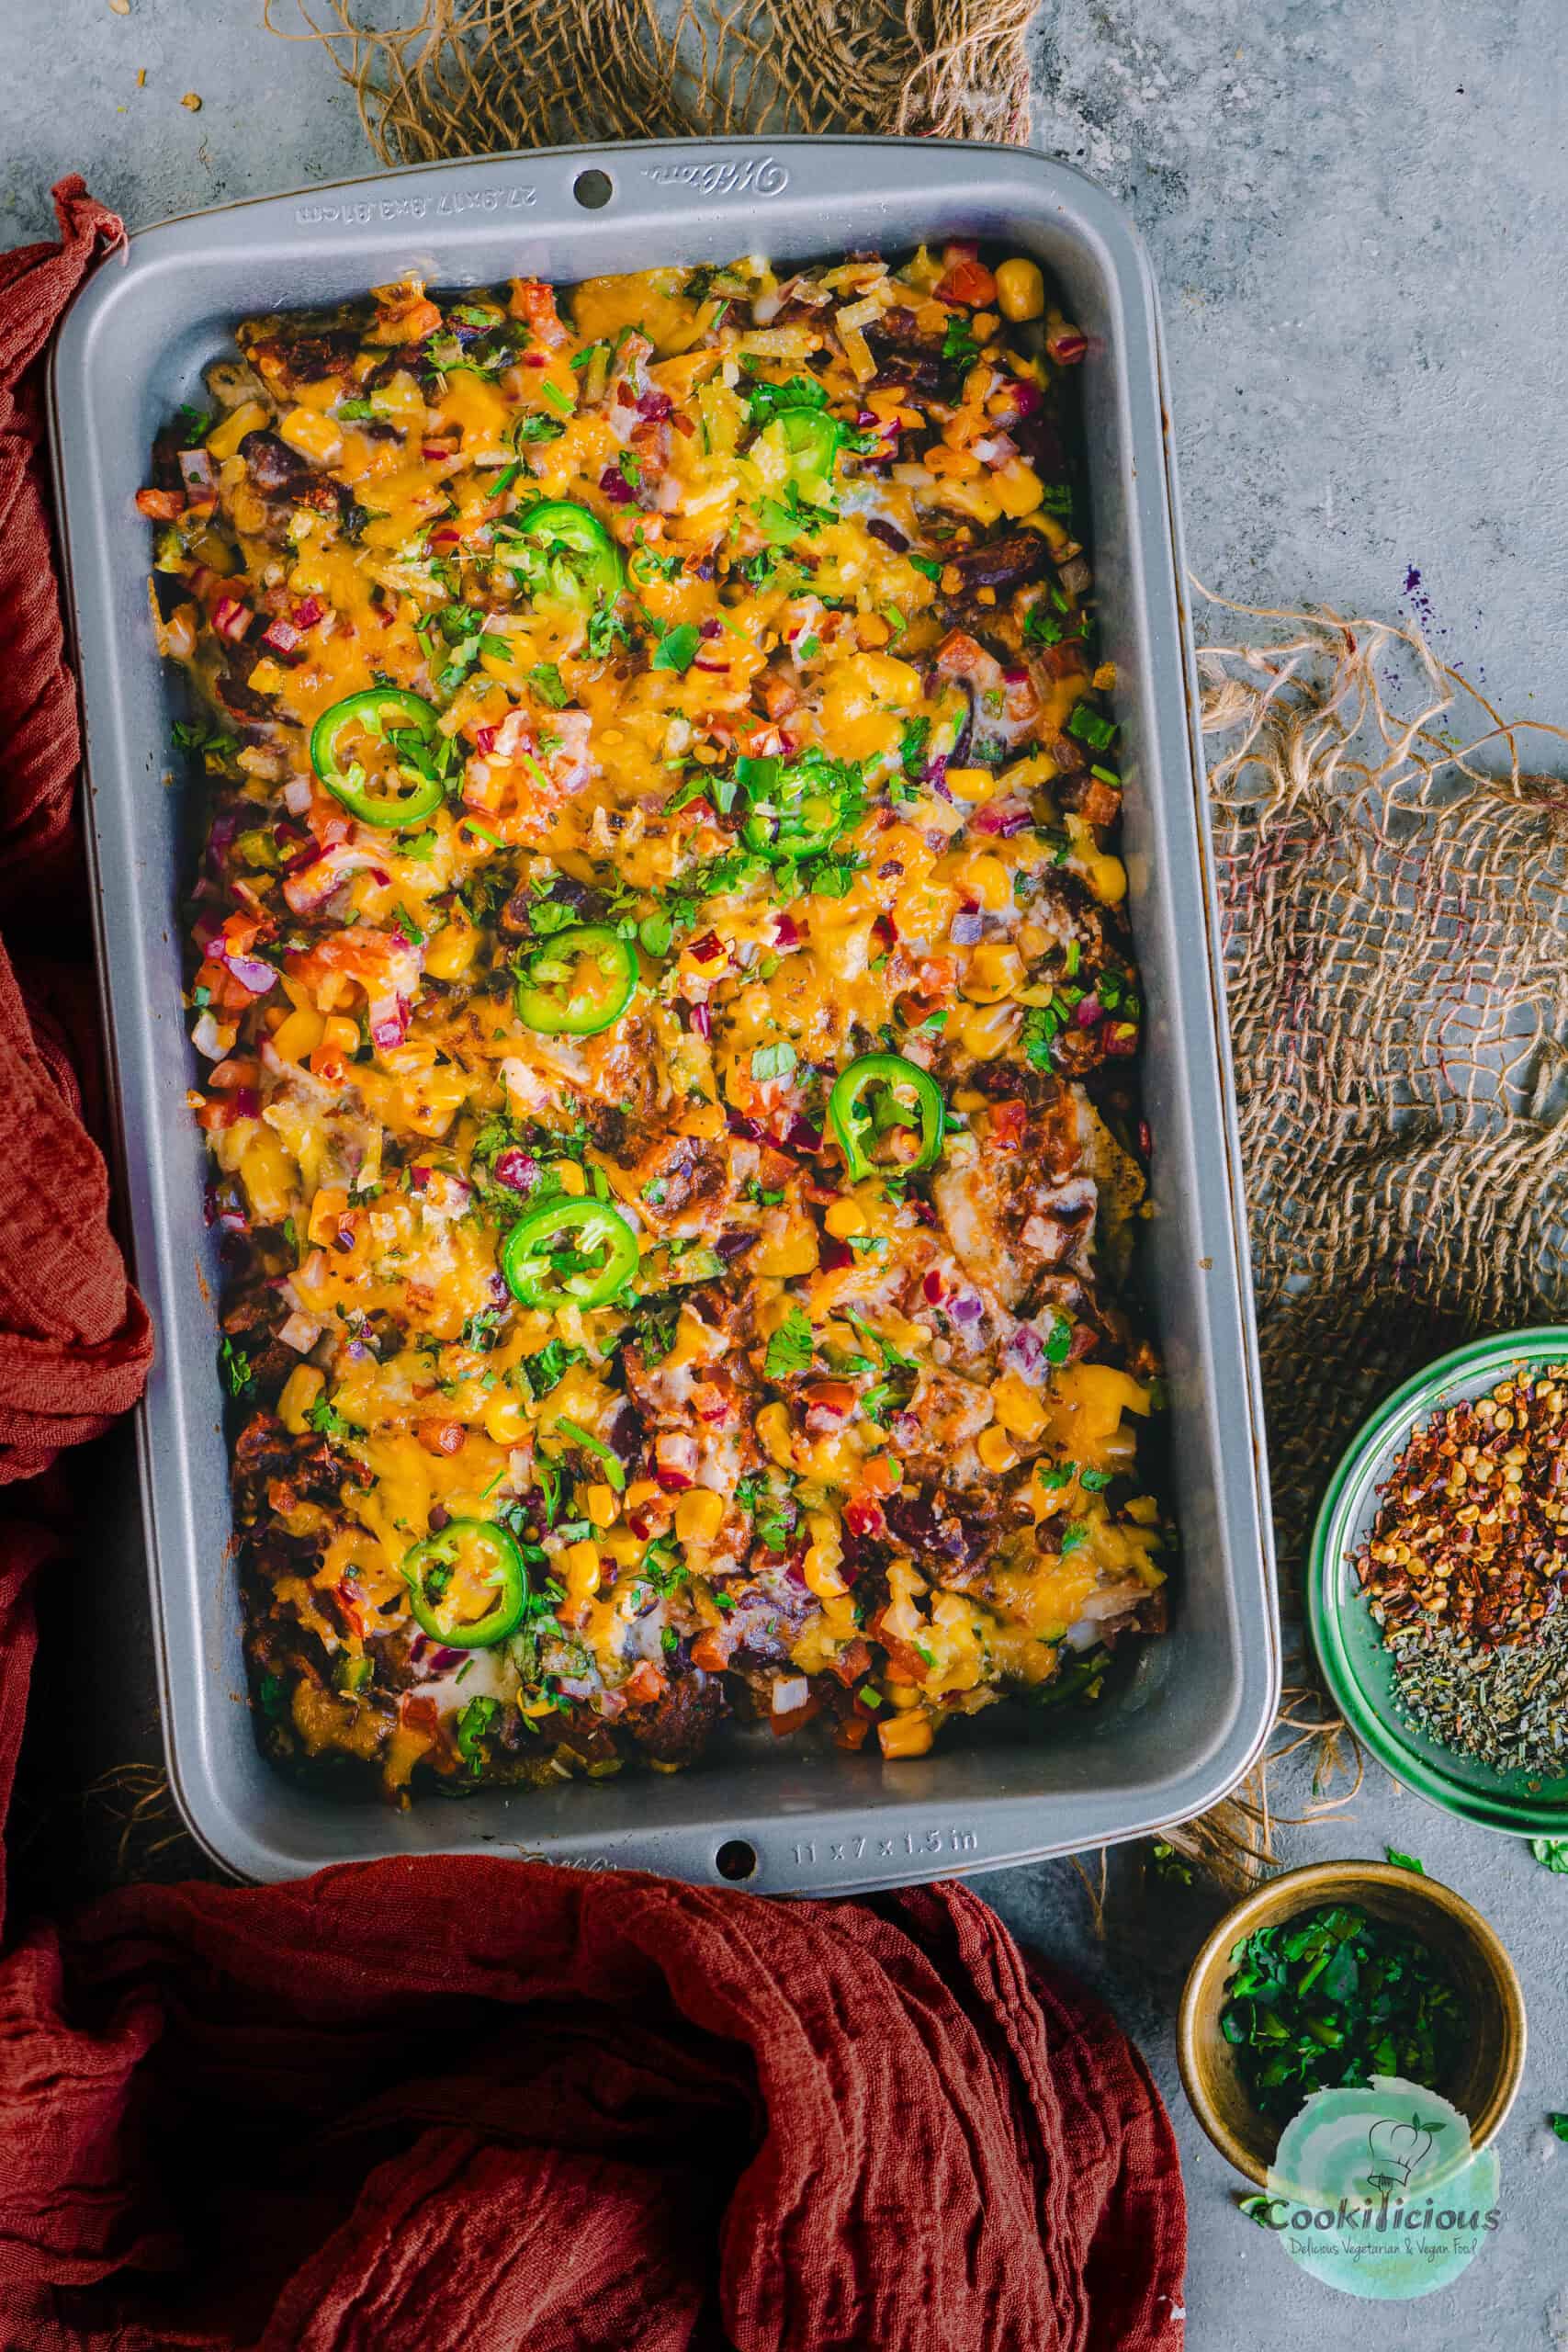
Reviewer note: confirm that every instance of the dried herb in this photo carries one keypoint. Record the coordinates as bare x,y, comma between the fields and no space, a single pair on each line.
1508,1707
1325,2002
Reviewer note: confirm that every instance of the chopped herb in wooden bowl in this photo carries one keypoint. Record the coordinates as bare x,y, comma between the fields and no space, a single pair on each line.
1326,2001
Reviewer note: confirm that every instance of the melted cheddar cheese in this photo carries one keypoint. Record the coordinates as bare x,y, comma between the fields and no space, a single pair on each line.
803,714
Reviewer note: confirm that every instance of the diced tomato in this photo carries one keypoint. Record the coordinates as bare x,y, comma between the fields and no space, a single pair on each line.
1006,1123
969,282
643,1684
442,1437
163,505
879,1475
793,1717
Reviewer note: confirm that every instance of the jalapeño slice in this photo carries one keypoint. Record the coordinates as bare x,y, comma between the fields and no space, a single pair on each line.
568,1252
578,982
568,553
468,1586
799,807
373,752
879,1092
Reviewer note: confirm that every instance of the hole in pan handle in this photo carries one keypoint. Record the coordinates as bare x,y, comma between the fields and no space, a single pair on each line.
592,189
735,1858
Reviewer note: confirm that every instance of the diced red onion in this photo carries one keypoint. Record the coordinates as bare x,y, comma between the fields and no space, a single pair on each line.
701,1020
1025,1354
675,1462
708,949
231,619
888,532
1002,817
300,1333
966,929
484,741
616,486
516,1169
786,930
196,467
968,1308
654,402
390,1028
1090,1011
251,973
711,628
791,1691
297,794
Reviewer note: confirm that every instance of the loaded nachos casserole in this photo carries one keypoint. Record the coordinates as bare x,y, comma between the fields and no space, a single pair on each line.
665,1015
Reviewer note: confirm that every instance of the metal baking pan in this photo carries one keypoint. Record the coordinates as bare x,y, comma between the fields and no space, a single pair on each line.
1200,1702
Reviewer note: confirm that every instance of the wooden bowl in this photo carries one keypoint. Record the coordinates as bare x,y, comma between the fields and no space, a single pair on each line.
1487,2077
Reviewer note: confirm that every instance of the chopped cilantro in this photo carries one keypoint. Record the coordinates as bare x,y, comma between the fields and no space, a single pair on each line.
790,1347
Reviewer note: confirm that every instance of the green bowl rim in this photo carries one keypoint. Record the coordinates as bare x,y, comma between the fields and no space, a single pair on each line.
1512,1817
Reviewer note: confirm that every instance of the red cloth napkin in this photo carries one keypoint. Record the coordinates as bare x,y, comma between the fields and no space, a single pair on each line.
476,2104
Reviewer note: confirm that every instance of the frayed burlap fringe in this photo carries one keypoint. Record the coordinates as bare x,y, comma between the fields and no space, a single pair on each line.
473,77
1396,924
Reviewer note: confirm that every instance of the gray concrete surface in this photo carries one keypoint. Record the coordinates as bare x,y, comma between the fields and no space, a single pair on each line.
1356,209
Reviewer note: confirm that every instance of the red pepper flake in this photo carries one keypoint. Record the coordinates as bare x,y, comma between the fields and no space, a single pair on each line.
1472,1529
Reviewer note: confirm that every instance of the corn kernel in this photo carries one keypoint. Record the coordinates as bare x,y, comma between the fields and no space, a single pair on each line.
1017,488
704,1120
506,1420
300,1390
994,970
844,1217
268,677
314,436
1021,290
986,1033
299,1034
327,1209
772,1428
821,1578
603,1509
988,879
994,1449
580,1564
795,1253
699,1515
267,1174
1018,1407
224,439
641,1491
971,784
910,1733
450,953
569,1177
1108,880
340,1036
